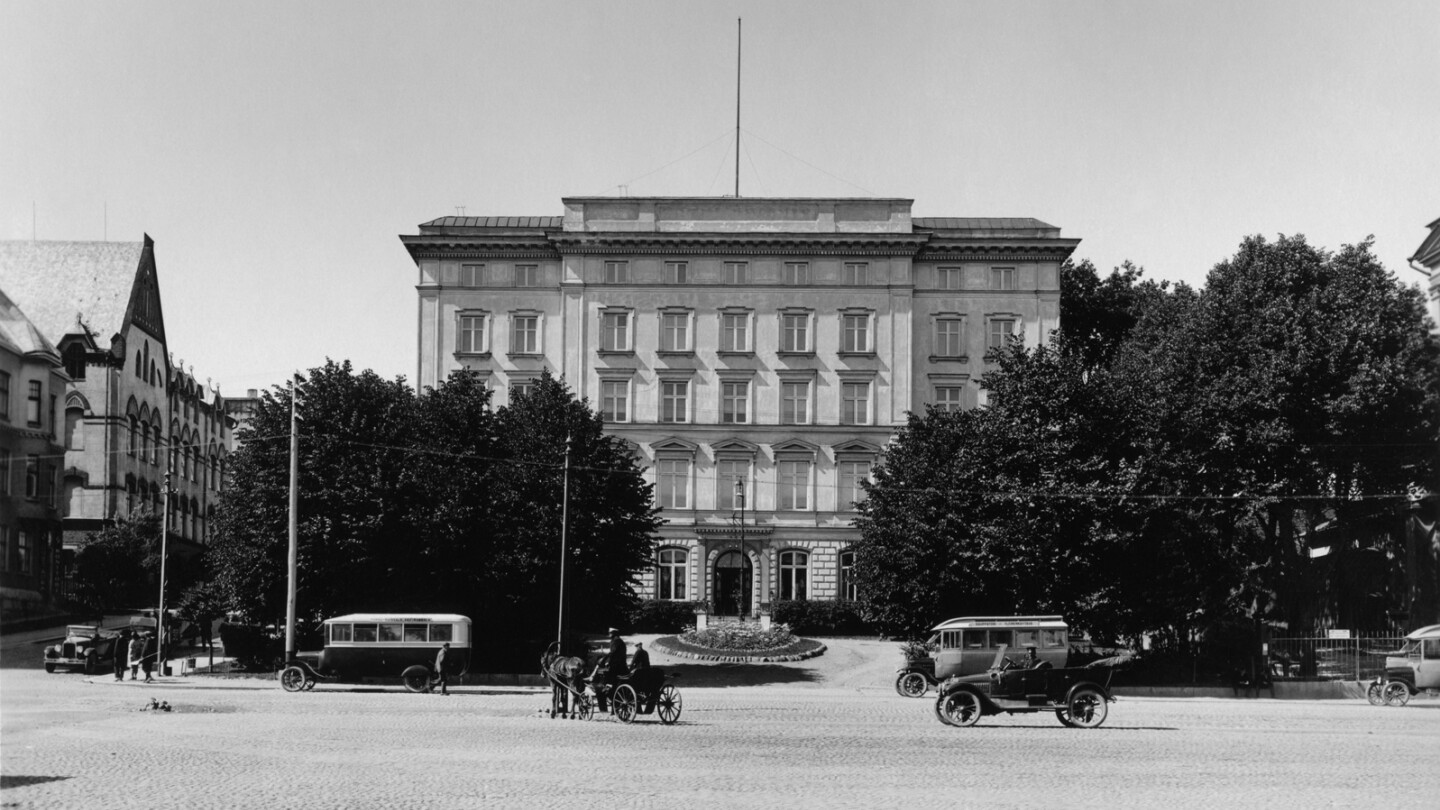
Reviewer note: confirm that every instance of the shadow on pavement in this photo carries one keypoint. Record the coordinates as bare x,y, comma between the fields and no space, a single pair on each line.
730,674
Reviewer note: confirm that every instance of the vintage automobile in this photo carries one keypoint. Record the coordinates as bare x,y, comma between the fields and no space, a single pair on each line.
383,645
1079,696
1409,670
85,646
967,646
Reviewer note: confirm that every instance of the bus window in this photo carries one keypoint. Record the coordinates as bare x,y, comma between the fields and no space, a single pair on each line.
1053,638
364,632
975,640
339,632
1001,638
415,632
440,632
1432,647
1027,638
390,631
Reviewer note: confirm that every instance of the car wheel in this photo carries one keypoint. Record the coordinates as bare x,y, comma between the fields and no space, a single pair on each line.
416,678
1063,715
959,708
50,668
1396,693
1088,707
625,703
292,679
1376,694
911,684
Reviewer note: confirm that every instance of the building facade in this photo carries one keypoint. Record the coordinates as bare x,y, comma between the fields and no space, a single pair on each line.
32,379
130,412
758,354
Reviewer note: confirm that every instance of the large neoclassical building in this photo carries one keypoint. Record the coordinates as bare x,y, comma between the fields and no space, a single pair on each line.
757,352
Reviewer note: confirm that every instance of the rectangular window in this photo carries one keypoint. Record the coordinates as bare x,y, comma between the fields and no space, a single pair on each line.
675,483
857,273
472,275
795,332
727,472
675,401
736,273
794,486
615,400
390,631
471,338
855,403
24,552
676,272
4,472
617,272
416,633
32,476
615,331
797,273
948,397
852,475
1002,278
521,389
366,632
525,334
735,403
341,632
5,395
734,331
675,331
795,403
671,579
53,429
949,278
1001,329
32,403
855,332
949,337
526,275
442,632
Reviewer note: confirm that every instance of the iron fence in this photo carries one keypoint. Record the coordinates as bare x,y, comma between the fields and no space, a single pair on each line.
1330,659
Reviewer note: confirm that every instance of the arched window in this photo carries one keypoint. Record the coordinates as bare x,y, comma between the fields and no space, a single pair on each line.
144,442
134,434
194,519
155,498
157,454
183,523
847,575
129,494
670,575
138,366
794,574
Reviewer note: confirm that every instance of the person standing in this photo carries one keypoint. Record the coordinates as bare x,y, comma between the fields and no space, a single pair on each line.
618,667
147,658
121,653
641,659
441,679
137,651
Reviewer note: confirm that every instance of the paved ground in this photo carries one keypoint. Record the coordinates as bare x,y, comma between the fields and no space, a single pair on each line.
829,732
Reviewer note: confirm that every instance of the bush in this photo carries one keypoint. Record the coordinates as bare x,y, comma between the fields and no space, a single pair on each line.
251,646
824,618
917,650
741,637
662,616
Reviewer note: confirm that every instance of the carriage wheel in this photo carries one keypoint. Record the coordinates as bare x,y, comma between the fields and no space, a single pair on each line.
959,708
625,703
1087,708
416,678
292,679
584,707
912,685
1376,694
1396,693
668,705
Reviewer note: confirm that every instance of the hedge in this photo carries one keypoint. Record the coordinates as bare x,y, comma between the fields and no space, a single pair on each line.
825,618
662,616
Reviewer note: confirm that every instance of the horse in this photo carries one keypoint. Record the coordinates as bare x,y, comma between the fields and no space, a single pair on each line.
563,671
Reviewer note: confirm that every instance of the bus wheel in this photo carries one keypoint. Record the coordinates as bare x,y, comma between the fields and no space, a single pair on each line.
1396,694
292,679
416,678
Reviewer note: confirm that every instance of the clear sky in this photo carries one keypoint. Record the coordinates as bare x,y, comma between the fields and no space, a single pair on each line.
275,150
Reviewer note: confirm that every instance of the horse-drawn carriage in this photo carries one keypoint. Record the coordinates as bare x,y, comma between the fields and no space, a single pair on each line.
575,695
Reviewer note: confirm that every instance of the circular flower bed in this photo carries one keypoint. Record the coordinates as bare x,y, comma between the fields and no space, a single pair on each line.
741,642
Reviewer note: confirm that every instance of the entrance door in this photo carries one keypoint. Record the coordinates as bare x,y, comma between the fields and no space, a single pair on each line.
732,584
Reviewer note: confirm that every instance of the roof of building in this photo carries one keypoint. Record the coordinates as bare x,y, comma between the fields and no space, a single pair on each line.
494,222
53,281
19,335
986,226
1428,253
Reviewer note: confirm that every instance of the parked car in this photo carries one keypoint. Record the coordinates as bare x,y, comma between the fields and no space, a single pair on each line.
85,645
1079,696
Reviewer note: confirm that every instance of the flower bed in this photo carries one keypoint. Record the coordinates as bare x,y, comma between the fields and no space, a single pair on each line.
741,642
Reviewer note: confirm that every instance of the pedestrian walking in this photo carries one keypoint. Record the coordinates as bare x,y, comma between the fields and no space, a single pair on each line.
137,651
121,653
147,658
441,679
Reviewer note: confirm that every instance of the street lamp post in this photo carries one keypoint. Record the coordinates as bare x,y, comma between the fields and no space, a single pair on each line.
740,502
293,557
564,526
164,550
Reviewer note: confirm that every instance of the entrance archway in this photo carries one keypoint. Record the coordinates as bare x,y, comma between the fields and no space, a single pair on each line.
732,584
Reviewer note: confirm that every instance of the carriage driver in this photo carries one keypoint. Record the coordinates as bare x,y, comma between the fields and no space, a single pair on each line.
617,668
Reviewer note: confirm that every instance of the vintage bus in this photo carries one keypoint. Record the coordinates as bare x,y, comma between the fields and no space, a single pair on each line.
384,645
970,645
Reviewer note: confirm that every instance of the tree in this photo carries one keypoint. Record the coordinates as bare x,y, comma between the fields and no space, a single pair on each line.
116,566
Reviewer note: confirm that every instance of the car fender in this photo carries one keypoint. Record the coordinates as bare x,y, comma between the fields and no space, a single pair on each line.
964,684
1097,686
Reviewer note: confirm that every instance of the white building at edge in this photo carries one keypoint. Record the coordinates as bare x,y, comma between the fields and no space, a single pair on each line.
773,342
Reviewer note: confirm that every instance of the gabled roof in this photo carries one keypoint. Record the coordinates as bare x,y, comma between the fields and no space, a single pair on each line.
53,281
1428,253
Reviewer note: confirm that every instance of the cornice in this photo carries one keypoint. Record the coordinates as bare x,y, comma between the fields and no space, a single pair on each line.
997,249
751,243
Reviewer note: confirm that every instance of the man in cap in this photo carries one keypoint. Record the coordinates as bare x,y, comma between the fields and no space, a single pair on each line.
617,666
